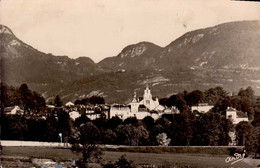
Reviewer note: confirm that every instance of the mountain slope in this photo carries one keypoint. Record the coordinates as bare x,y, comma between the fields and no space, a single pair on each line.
22,63
133,57
229,45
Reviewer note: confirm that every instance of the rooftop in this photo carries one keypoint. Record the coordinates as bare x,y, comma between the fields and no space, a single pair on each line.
241,114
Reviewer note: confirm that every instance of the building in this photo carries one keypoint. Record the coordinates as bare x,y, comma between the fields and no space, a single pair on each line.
202,108
69,104
73,115
120,110
235,116
171,110
13,110
145,103
139,107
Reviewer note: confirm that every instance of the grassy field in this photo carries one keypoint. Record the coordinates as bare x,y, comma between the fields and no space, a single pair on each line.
24,154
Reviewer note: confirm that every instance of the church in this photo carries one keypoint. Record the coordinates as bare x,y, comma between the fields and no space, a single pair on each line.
139,107
146,103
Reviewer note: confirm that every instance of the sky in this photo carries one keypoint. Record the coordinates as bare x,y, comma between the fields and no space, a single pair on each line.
102,28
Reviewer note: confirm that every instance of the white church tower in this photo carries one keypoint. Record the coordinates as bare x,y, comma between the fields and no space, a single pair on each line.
147,101
134,104
147,98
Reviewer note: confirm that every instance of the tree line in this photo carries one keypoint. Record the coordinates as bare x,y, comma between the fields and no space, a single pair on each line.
182,129
22,96
244,101
186,128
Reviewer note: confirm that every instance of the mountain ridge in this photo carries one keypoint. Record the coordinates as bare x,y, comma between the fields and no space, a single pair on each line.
185,51
225,55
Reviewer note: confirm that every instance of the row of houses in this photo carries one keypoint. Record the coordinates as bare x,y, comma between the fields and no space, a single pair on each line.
138,107
147,105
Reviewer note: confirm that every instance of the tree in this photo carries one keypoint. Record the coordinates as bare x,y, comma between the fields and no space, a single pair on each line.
57,101
25,95
51,131
252,143
114,122
96,100
132,120
36,130
148,122
225,127
213,95
248,101
213,128
157,129
194,97
178,130
121,163
131,135
181,104
124,163
163,101
87,136
243,130
89,133
4,97
162,139
221,106
171,101
81,120
64,124
210,129
236,103
256,121
39,101
18,127
109,137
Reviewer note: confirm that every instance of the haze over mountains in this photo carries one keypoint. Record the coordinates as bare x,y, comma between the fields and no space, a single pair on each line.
226,55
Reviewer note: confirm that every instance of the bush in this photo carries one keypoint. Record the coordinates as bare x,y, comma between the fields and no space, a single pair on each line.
121,163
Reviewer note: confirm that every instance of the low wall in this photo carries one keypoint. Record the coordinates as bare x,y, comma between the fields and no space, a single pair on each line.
34,143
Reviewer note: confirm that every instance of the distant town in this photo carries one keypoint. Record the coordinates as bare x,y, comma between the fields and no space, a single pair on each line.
197,111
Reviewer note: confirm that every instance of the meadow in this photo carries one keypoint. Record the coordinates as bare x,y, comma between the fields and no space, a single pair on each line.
22,156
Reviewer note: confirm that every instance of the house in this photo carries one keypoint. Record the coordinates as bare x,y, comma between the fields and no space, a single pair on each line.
202,108
69,104
13,110
235,116
94,116
73,115
171,110
120,110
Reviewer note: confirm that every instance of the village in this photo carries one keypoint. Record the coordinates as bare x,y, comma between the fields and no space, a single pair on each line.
139,108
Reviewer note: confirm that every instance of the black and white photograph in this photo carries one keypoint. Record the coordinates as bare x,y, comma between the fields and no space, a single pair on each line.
130,83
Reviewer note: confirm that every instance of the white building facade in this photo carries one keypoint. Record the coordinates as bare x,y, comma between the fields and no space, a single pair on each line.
233,115
146,106
202,108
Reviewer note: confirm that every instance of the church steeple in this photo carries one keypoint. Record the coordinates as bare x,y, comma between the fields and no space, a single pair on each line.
134,99
147,82
147,91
